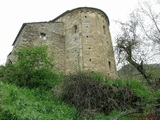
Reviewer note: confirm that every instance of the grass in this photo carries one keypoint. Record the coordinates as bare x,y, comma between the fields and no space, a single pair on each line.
136,85
22,103
31,104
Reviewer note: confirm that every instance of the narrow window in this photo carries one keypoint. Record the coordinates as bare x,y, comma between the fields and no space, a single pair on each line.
43,36
85,16
109,64
86,36
104,29
75,29
10,61
90,60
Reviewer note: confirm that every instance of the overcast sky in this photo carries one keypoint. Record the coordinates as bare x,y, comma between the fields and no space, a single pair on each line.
16,12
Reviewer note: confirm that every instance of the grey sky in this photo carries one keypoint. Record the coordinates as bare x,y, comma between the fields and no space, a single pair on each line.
16,12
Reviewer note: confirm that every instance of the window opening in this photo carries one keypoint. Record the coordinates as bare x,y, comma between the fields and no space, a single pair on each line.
87,36
109,64
75,29
85,16
43,36
10,61
89,48
104,29
90,60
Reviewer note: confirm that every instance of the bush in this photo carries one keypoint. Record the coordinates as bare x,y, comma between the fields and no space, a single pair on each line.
2,71
33,67
88,94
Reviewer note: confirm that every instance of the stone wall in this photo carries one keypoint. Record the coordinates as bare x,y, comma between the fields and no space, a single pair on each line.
78,40
50,34
88,44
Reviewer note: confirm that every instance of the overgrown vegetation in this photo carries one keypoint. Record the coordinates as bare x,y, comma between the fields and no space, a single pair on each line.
91,93
26,88
129,72
86,93
33,69
29,89
138,41
31,104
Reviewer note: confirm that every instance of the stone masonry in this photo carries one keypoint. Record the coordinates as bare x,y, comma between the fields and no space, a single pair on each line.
78,40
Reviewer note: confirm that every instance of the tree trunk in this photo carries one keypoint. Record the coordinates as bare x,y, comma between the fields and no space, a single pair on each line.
141,69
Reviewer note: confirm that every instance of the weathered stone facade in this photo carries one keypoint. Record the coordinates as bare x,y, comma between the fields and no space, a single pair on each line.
78,39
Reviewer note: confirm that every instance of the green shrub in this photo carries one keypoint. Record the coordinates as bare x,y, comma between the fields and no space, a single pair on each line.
1,71
33,67
140,89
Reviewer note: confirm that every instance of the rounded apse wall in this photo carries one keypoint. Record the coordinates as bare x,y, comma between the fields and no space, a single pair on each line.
88,44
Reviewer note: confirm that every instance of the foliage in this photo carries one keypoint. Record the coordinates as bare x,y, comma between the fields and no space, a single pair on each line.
2,71
31,104
130,72
90,95
136,85
99,98
33,67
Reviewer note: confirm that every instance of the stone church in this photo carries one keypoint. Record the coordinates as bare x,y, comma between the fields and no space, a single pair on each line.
79,39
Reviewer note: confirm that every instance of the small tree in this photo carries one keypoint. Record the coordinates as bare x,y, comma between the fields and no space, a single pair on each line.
33,67
138,42
129,49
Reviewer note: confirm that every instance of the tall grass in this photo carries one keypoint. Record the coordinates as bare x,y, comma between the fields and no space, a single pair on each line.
137,86
23,103
31,104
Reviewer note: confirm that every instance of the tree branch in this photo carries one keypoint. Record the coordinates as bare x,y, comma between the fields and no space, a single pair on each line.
124,114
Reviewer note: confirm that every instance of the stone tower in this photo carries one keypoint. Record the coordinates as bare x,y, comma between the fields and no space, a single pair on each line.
78,39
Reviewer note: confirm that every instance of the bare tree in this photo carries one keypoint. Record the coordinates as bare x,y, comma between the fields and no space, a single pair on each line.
148,17
128,46
138,43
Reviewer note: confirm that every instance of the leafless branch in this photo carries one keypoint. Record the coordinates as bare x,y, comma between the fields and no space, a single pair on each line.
128,112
